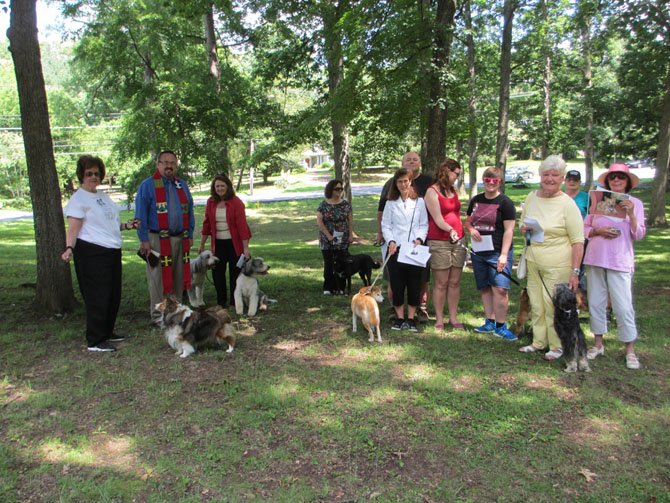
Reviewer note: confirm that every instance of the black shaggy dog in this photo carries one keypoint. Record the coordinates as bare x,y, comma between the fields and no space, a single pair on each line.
346,265
566,323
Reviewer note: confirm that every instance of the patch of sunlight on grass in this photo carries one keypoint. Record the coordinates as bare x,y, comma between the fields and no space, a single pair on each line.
466,383
596,432
12,393
419,372
381,396
287,387
109,451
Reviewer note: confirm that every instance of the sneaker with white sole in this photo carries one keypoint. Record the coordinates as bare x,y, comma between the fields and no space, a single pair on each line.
103,347
398,324
116,338
411,326
487,328
594,352
505,333
632,362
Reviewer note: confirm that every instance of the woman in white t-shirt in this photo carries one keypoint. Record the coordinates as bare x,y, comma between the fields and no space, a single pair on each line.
94,239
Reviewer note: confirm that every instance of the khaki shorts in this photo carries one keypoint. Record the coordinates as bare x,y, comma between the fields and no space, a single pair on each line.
445,254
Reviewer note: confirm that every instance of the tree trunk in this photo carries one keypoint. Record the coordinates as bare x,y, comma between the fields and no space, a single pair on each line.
546,86
339,126
656,215
587,84
546,123
215,72
436,134
472,100
505,77
54,292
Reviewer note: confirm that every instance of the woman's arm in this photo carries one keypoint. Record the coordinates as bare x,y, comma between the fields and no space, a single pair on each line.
322,226
474,233
577,253
508,235
73,228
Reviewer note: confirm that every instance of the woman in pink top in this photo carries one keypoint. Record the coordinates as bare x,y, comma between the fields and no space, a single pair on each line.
610,263
445,239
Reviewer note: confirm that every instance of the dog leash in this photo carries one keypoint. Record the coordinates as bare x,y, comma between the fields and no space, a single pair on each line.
381,269
508,276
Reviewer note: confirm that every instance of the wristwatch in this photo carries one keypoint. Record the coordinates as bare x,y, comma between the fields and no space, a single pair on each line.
575,271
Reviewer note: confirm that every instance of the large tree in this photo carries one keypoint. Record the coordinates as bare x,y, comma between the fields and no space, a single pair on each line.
54,284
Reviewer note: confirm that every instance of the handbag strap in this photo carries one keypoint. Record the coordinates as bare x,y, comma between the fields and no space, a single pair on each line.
411,223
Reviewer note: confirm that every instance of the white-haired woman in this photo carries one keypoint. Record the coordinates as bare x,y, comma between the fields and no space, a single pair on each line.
555,258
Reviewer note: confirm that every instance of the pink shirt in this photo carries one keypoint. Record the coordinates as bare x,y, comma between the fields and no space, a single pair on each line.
616,254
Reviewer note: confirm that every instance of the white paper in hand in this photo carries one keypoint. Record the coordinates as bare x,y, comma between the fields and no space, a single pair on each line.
414,255
486,244
536,230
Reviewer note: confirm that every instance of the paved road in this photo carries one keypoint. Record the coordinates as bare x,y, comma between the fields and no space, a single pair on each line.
11,215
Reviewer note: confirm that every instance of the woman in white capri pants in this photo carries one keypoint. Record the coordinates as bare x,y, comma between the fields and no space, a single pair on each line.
610,262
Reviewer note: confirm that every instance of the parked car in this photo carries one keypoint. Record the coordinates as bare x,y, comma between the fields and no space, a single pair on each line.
518,174
640,163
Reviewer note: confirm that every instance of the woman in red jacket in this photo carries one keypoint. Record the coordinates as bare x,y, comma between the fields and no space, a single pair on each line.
226,222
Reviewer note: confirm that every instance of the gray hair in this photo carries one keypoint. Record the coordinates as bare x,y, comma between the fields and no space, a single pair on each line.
553,162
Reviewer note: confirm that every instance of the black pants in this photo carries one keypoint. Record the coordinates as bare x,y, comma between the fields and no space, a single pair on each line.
331,283
224,251
405,277
98,272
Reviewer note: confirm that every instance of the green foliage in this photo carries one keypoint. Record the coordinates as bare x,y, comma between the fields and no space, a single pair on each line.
306,410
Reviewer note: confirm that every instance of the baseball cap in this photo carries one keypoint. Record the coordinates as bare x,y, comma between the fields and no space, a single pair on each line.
573,173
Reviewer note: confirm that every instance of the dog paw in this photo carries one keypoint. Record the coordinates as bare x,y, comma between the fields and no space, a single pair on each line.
230,350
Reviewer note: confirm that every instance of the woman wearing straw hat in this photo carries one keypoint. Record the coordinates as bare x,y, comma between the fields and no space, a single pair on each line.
610,262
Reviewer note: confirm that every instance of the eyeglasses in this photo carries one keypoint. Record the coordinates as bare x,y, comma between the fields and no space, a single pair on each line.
92,173
338,189
457,173
617,176
491,180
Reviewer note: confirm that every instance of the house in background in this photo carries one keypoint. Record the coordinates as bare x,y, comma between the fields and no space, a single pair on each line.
315,157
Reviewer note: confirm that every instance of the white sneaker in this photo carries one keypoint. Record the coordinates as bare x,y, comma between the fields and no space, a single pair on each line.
326,292
632,362
592,353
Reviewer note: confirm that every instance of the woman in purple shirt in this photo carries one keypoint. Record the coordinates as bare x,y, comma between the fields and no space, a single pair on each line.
610,263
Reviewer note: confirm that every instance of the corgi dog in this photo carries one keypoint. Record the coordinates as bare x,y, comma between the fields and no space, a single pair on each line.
364,306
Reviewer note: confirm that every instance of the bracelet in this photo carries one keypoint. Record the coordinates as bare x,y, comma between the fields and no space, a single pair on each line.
575,271
69,248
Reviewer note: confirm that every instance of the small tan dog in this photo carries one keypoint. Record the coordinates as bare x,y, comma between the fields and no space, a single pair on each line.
364,306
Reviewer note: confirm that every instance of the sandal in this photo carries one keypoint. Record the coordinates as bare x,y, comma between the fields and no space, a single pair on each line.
528,349
554,354
457,326
439,326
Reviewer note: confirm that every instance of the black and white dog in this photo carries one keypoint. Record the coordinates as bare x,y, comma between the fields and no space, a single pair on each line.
199,267
347,265
247,291
566,323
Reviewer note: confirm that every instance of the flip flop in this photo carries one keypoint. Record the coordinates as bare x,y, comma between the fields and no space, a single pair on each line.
528,349
457,326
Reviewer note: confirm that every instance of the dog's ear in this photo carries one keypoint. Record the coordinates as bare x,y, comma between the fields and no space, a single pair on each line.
248,267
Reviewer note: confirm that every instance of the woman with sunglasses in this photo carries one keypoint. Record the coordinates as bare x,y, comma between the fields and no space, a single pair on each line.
94,239
556,257
445,239
335,220
610,262
491,215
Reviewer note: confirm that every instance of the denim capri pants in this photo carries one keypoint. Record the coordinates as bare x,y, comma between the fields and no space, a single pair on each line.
485,275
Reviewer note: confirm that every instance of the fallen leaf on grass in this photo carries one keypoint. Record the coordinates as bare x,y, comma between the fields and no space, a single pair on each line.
588,474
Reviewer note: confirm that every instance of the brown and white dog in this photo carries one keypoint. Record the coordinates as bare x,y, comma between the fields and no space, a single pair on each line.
247,291
199,267
186,330
364,306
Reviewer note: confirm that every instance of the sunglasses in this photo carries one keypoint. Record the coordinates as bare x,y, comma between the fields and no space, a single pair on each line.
617,176
338,189
491,180
92,173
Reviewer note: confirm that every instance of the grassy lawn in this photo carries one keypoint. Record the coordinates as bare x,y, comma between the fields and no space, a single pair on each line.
306,410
